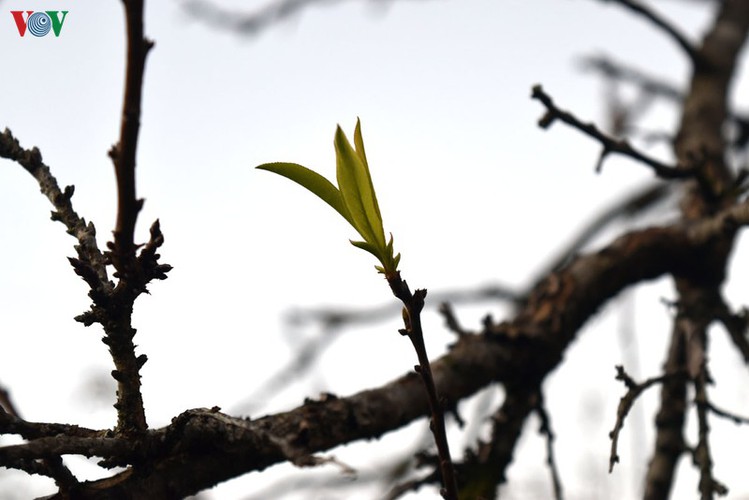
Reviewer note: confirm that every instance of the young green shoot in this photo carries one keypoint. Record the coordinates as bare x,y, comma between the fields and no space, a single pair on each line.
354,198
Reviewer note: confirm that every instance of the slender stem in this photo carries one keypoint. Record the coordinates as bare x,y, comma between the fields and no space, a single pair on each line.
413,304
124,153
119,331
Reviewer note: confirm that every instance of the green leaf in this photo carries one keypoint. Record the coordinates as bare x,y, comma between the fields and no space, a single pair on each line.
359,144
358,194
313,182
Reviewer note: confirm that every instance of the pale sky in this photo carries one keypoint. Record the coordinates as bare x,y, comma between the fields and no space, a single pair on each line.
472,190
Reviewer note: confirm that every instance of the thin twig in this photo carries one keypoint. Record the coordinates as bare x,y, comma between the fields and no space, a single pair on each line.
12,424
451,321
634,390
124,152
709,486
737,419
610,145
413,304
546,430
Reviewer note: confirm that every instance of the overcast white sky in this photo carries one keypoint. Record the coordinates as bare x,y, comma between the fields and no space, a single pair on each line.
471,189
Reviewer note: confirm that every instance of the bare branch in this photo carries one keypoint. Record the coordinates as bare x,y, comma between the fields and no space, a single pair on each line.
610,145
709,486
737,419
705,108
133,273
91,261
413,304
634,390
546,430
123,153
12,424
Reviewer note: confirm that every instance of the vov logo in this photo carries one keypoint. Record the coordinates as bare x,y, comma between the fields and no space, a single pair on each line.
39,23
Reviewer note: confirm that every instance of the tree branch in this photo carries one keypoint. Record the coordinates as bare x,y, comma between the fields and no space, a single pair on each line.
517,353
610,145
413,303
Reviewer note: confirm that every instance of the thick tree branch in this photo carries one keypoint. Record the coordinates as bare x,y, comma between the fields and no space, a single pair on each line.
705,108
700,135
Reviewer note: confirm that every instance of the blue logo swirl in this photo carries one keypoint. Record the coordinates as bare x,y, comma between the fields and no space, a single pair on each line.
39,24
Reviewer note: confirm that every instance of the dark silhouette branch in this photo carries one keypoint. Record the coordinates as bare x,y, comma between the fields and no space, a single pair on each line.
90,261
736,419
548,433
699,135
634,391
519,353
413,304
610,144
124,152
